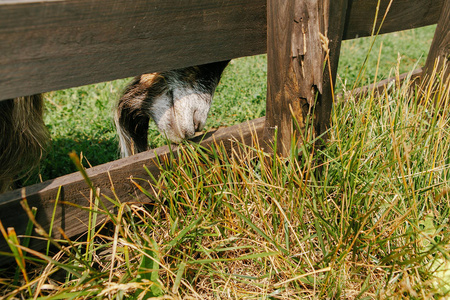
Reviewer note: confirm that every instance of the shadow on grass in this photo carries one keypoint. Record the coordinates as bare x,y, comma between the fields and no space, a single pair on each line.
56,161
93,151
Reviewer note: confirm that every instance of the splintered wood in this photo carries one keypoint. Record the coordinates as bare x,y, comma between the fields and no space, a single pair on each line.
299,92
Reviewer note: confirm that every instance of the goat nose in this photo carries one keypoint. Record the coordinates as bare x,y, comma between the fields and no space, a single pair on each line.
188,133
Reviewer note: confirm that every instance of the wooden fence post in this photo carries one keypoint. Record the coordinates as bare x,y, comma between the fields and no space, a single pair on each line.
300,35
335,30
439,54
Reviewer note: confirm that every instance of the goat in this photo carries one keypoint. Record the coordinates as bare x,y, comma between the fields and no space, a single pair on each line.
178,101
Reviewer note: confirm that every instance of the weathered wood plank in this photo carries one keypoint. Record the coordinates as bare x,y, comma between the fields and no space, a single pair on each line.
293,48
300,36
439,56
48,45
380,86
107,177
335,26
403,14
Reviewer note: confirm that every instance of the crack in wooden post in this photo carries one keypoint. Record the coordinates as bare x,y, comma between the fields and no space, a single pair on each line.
299,88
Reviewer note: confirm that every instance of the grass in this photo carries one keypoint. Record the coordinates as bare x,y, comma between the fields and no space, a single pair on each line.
373,223
412,46
366,217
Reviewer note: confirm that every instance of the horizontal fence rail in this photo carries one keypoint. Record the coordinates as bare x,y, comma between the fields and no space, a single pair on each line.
402,15
51,45
113,179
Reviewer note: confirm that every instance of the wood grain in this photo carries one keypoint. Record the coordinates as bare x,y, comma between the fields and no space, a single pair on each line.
335,26
293,48
49,45
112,179
439,55
402,15
379,87
301,35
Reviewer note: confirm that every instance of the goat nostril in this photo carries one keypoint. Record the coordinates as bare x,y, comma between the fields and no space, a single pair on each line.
198,124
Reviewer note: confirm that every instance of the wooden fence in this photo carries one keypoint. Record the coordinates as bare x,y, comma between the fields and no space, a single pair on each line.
49,44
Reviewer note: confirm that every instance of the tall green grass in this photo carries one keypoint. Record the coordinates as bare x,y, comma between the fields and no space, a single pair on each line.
80,119
365,217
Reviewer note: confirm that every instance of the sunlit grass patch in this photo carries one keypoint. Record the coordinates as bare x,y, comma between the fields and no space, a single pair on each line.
364,217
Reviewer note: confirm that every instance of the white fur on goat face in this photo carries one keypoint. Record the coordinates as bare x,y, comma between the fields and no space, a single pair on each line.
180,112
178,101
